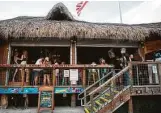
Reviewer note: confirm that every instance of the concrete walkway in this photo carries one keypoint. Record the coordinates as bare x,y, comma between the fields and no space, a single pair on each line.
34,110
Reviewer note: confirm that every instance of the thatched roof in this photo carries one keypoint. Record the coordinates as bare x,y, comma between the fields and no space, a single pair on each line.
59,23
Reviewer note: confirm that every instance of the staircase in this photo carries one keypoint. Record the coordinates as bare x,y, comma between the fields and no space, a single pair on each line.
108,96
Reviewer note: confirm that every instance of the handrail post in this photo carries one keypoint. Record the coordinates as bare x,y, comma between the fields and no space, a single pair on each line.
92,103
85,99
54,77
159,73
130,74
84,78
7,76
22,75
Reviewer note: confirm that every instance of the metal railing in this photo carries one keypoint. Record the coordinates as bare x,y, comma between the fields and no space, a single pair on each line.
145,73
84,96
109,90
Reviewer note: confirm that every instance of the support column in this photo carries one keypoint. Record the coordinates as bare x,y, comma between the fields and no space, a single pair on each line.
8,62
141,53
73,60
159,74
130,106
4,101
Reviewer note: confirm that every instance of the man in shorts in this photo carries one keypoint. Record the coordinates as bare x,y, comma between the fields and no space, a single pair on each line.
38,72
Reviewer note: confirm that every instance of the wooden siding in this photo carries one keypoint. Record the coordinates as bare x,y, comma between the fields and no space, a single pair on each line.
3,60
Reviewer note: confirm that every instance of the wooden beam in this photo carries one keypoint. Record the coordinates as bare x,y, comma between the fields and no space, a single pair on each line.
130,106
159,74
84,78
73,62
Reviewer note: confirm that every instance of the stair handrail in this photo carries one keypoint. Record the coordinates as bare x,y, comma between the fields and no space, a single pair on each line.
108,81
94,84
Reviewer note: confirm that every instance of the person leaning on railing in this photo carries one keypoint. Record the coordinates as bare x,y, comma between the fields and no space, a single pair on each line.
16,61
103,71
47,72
24,58
38,72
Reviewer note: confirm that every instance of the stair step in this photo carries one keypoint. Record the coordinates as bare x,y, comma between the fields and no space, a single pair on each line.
104,99
98,103
107,94
86,110
116,91
95,109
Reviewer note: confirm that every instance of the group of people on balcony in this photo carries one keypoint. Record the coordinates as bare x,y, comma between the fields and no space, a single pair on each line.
93,75
36,73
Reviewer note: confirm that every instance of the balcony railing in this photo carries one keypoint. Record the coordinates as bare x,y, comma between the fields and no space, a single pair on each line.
143,73
25,74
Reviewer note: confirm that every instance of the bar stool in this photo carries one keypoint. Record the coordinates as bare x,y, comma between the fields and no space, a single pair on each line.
92,76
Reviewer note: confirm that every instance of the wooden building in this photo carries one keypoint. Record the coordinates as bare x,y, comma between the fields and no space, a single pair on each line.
79,41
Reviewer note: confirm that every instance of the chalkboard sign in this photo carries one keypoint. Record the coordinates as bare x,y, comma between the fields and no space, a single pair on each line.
46,99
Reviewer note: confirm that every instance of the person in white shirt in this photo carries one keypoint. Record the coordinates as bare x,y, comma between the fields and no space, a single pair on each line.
37,72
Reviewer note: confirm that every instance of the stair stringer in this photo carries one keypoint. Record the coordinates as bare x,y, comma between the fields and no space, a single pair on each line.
120,99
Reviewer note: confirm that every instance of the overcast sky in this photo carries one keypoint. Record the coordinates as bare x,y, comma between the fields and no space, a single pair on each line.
133,12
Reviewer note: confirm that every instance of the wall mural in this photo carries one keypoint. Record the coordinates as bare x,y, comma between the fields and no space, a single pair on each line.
35,90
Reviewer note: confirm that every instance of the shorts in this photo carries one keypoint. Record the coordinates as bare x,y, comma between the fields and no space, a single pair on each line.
37,73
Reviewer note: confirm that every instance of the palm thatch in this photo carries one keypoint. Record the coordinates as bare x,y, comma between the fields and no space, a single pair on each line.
60,24
59,12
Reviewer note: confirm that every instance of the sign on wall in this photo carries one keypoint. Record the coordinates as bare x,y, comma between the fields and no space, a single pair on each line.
66,73
73,74
68,90
18,90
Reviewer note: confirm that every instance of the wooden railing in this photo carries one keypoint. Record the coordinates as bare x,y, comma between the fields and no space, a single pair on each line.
23,68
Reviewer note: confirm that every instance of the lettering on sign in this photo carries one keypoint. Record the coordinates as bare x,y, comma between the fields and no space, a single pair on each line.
66,73
46,99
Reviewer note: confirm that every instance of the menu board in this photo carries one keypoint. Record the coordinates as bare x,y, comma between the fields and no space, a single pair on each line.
46,99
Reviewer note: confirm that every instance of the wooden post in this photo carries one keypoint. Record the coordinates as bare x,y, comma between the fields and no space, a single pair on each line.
92,103
27,76
130,74
73,54
159,74
22,76
84,78
4,101
54,77
130,106
39,102
141,53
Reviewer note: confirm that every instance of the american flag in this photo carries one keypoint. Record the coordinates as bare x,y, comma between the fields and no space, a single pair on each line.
80,6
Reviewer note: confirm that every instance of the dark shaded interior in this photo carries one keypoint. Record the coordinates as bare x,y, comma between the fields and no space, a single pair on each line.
62,101
87,55
62,54
33,100
15,100
147,104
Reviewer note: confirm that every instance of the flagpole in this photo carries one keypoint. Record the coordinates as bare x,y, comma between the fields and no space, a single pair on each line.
120,12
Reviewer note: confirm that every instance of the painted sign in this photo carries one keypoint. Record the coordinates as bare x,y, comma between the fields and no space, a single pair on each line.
57,90
68,90
18,90
46,99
